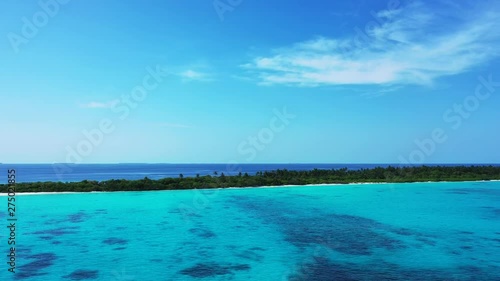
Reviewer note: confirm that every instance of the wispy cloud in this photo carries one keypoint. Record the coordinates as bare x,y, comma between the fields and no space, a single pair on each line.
411,45
382,91
95,104
192,75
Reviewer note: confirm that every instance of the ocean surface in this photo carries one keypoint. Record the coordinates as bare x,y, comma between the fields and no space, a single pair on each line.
414,231
99,172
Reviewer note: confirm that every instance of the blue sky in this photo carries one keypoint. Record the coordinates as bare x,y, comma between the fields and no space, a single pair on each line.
250,81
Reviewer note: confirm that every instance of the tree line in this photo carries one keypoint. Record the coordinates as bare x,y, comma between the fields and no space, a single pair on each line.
274,178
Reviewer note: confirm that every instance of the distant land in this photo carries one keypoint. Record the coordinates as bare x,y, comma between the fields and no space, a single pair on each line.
64,172
280,177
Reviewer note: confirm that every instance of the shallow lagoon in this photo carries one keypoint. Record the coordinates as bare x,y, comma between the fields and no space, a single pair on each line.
419,231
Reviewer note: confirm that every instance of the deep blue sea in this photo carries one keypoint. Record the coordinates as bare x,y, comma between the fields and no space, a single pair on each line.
99,172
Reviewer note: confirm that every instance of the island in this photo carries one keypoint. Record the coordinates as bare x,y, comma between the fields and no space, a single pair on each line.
388,174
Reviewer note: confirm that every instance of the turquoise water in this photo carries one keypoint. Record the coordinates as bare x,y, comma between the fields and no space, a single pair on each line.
421,231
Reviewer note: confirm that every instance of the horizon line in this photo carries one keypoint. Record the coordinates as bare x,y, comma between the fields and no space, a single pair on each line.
261,163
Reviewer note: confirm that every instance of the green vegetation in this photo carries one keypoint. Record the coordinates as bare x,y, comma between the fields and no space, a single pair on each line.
275,178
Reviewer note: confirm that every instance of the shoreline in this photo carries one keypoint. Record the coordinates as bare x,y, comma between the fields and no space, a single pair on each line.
250,187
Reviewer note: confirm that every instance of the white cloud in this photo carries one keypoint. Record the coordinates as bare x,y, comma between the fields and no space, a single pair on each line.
95,104
192,75
411,45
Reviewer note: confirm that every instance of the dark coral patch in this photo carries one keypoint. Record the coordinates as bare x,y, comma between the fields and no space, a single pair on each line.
203,270
28,274
347,234
32,269
83,275
46,237
496,213
57,232
21,252
203,233
471,270
36,265
78,217
41,261
457,192
404,232
323,269
426,241
250,255
115,241
491,213
475,190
